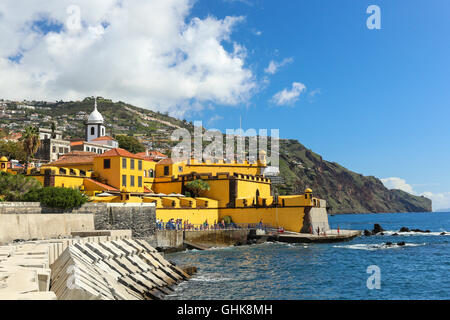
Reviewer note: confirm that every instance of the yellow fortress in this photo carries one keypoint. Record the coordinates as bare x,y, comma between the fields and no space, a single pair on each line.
238,190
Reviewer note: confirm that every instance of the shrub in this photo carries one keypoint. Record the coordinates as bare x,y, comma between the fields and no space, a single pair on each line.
55,197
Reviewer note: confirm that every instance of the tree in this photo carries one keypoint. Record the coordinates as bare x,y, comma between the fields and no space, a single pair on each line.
56,197
53,130
130,144
13,187
30,142
12,150
197,187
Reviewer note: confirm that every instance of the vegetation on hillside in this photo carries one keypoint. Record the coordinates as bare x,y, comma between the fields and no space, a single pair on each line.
13,187
130,144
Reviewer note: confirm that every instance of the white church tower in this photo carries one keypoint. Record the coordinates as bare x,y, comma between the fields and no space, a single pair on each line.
95,126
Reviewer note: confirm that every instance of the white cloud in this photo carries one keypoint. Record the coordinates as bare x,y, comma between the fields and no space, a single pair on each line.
214,119
289,97
397,183
440,200
274,66
146,52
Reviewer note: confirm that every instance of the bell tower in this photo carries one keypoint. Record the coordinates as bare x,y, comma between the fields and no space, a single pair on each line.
95,126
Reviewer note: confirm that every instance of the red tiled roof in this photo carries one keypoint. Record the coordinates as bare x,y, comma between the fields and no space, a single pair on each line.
121,153
103,138
151,154
166,161
76,143
75,157
104,186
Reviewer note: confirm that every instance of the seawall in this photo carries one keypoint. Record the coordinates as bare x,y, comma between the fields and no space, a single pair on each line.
31,220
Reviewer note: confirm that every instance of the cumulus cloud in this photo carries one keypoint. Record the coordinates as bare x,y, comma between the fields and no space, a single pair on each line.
147,52
397,183
274,66
289,96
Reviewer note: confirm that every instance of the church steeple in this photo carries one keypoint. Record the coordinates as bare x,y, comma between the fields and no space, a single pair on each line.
95,124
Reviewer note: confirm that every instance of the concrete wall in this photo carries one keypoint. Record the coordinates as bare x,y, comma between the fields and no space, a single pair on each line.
29,220
40,226
139,217
216,237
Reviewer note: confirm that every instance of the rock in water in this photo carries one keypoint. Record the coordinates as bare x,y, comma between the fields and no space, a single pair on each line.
404,229
401,243
395,234
367,233
389,243
443,234
377,228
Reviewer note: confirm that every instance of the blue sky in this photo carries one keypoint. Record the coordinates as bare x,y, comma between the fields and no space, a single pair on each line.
382,102
375,101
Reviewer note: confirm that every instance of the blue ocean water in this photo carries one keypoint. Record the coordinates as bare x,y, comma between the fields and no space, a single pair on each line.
419,270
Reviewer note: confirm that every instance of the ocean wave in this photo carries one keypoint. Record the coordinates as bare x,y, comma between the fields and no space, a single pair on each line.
204,278
380,246
412,233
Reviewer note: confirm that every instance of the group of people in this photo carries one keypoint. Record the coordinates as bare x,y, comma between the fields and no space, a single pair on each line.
180,224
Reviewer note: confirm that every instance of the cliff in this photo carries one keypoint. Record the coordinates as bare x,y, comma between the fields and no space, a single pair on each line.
345,190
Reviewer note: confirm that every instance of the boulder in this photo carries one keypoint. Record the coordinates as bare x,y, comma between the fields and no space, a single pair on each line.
389,243
401,243
395,234
377,228
442,233
367,233
404,229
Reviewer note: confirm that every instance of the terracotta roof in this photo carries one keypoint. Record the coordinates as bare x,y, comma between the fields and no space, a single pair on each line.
121,153
147,190
76,143
151,154
104,186
75,157
103,138
166,161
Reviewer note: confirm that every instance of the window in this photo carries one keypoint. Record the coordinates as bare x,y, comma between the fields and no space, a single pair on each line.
92,131
61,150
131,181
180,169
106,163
166,170
132,164
94,150
145,173
151,173
66,150
103,131
53,149
124,180
140,182
140,165
88,149
124,163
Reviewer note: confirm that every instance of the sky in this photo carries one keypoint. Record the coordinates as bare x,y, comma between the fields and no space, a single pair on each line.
377,101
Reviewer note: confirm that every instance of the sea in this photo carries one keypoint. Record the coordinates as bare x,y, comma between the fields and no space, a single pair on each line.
360,269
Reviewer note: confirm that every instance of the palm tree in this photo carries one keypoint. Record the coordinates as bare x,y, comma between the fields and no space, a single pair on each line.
30,142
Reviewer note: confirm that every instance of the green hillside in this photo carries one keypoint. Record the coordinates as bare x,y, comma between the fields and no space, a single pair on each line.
345,191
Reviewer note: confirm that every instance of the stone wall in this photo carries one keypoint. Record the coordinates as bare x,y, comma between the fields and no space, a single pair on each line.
37,208
139,217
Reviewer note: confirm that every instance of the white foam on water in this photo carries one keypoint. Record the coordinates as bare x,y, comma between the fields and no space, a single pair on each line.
380,246
203,278
412,233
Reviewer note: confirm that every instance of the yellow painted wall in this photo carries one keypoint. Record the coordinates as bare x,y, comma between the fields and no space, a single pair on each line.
195,216
291,219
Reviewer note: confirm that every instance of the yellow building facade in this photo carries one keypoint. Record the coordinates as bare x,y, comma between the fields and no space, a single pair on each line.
237,190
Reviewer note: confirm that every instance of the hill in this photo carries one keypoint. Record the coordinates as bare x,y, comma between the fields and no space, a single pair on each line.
345,190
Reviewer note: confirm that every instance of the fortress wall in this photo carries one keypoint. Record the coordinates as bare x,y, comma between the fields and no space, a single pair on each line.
139,217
